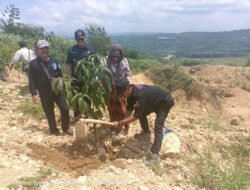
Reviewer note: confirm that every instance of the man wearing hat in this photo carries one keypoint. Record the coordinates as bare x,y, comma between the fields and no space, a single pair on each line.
145,99
41,70
76,53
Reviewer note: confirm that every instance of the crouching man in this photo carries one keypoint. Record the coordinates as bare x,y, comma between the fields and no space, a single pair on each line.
145,99
41,70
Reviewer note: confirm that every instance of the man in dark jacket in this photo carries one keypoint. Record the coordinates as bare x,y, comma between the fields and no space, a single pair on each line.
76,53
40,70
145,99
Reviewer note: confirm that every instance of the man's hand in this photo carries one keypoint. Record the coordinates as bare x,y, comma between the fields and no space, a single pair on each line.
35,99
115,123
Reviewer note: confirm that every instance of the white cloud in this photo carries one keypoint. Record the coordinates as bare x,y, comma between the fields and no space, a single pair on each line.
64,16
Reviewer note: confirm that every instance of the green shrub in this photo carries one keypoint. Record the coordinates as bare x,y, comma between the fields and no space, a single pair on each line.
139,65
170,77
248,63
191,62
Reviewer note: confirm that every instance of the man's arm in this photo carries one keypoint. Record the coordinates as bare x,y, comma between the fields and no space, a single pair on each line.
127,120
32,87
127,71
15,59
69,62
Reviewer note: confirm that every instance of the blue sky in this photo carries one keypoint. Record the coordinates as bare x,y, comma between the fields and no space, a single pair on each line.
65,16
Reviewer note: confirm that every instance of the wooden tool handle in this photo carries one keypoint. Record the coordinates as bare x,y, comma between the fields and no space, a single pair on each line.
97,122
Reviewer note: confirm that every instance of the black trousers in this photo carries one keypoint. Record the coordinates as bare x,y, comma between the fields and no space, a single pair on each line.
48,101
161,116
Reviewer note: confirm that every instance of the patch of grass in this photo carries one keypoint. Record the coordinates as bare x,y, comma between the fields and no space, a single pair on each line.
158,168
139,65
33,182
29,108
230,61
212,123
209,175
240,149
192,126
215,125
170,77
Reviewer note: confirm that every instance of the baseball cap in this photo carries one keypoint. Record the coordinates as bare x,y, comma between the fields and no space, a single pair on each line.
79,34
121,87
42,43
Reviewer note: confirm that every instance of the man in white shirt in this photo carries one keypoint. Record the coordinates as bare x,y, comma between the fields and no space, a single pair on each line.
25,55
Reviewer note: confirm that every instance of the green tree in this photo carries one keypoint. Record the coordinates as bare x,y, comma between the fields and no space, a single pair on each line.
98,38
95,82
11,15
58,46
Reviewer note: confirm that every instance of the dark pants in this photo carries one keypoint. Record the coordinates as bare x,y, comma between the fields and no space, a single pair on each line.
48,107
161,116
144,123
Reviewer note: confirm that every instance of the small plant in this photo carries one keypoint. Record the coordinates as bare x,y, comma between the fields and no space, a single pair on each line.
33,182
91,95
27,107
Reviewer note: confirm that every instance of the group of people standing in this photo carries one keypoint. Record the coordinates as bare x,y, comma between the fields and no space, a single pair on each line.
127,102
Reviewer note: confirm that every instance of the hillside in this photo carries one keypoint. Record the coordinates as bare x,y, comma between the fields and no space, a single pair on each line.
214,150
189,44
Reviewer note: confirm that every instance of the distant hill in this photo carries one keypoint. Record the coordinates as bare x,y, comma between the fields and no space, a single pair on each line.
188,44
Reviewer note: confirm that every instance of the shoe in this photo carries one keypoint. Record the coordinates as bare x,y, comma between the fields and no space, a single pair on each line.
151,159
123,133
69,131
56,133
143,136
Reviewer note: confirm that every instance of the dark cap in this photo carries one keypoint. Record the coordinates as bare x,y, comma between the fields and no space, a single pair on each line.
79,34
121,87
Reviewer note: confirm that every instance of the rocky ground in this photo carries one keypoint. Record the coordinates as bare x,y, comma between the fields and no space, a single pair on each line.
31,158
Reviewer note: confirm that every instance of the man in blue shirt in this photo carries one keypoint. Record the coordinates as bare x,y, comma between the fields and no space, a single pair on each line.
41,70
76,53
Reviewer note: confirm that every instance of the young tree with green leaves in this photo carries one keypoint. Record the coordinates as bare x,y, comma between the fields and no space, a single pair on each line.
93,94
98,38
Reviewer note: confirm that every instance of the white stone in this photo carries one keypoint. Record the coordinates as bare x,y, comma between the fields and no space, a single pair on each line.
24,158
171,144
82,179
13,128
130,161
53,174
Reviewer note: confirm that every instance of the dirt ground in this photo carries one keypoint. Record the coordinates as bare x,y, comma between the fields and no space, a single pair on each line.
26,147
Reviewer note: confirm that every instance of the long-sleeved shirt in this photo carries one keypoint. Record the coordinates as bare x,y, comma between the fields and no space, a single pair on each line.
24,54
38,80
118,74
145,99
